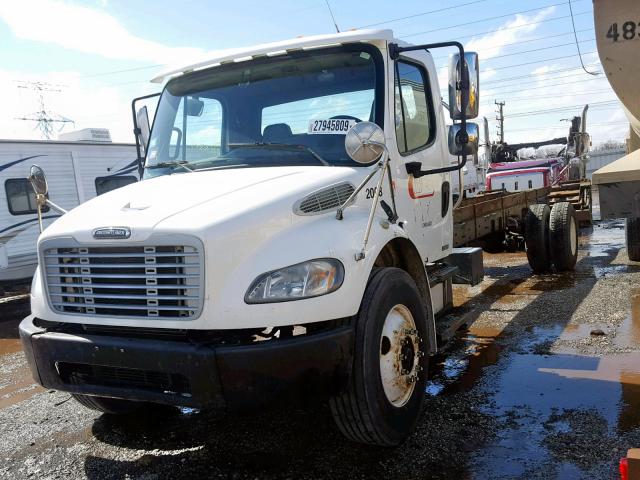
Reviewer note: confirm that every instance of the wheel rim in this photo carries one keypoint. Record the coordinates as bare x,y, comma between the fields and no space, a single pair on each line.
399,355
573,236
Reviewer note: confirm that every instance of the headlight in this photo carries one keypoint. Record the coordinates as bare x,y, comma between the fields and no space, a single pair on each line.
303,280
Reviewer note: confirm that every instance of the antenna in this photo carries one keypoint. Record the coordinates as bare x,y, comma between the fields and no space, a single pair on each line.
332,17
44,119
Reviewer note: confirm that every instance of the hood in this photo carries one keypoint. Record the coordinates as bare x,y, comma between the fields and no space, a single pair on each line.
141,206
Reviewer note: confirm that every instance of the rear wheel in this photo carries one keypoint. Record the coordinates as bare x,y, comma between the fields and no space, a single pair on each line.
113,406
633,239
537,237
563,235
382,402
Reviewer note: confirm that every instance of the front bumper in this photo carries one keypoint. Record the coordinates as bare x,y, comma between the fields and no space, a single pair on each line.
186,373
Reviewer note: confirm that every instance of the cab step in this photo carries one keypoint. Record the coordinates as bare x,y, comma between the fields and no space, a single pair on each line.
440,277
447,325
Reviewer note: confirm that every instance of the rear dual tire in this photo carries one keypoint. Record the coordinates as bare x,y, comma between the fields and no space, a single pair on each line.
537,237
551,237
384,397
633,239
563,235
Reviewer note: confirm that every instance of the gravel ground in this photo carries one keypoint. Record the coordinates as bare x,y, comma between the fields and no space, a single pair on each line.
545,383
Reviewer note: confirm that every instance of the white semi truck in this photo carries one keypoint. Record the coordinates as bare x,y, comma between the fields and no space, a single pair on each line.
293,233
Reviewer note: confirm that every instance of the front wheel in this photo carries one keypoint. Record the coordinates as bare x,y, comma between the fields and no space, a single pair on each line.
382,402
112,406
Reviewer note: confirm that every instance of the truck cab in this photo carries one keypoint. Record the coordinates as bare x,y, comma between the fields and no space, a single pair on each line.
288,235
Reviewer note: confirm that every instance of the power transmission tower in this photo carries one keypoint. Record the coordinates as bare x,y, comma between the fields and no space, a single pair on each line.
500,119
44,119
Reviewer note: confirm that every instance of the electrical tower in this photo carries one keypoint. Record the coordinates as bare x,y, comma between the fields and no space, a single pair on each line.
44,119
500,119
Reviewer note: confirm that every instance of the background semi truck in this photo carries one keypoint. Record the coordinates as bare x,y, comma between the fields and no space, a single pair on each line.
293,232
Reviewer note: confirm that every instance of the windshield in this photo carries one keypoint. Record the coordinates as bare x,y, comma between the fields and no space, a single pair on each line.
287,110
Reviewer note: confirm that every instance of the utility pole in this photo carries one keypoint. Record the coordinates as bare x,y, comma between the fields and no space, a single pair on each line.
500,119
43,118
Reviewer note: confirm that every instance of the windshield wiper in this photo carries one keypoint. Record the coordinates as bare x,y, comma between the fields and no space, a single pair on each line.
224,167
178,163
281,146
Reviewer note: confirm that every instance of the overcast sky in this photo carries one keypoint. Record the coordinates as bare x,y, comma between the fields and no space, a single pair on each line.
99,54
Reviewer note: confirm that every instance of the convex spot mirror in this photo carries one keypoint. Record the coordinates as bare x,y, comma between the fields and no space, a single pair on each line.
38,180
456,146
471,72
364,142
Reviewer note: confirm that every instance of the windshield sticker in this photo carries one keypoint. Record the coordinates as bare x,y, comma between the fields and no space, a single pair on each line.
333,126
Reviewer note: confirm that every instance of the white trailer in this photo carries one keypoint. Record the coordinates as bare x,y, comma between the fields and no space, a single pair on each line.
77,171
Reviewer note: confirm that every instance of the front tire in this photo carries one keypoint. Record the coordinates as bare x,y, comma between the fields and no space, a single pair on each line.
111,406
383,400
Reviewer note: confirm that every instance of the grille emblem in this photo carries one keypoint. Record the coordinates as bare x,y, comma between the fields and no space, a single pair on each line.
111,233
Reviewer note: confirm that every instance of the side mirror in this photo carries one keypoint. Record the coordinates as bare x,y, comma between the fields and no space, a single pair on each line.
364,142
38,181
39,184
471,77
456,147
143,130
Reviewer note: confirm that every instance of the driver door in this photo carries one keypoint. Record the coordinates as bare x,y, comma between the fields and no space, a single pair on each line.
419,129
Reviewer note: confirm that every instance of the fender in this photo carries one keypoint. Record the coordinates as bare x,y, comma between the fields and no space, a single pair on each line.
400,251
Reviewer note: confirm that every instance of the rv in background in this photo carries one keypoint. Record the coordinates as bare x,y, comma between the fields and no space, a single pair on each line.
80,165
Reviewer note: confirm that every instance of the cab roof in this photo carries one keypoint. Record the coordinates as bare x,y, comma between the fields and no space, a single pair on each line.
278,48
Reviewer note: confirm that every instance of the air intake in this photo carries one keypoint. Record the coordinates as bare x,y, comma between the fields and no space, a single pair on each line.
324,199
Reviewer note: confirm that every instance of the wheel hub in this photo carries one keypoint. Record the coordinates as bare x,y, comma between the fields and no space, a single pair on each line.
399,355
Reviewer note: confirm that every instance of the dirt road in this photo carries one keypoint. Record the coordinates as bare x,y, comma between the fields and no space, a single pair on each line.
545,383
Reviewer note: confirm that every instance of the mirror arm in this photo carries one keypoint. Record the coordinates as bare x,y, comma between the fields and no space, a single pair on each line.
56,207
415,168
341,208
383,166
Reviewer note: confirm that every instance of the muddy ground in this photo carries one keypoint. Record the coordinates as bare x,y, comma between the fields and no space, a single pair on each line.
545,383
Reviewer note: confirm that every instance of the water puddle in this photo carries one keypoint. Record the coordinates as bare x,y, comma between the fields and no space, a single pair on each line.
18,386
628,333
9,337
9,345
459,371
550,398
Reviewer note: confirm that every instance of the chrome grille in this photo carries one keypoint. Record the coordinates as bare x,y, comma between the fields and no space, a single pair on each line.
131,281
325,199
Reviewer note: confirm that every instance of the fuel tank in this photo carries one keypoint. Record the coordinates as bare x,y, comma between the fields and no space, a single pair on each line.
618,40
